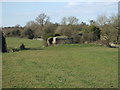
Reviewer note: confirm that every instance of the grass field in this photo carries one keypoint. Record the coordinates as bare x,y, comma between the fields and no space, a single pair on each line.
62,66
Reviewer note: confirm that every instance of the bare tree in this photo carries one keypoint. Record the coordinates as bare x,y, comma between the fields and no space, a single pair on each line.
114,20
35,27
109,28
72,20
102,20
17,26
30,23
42,19
64,21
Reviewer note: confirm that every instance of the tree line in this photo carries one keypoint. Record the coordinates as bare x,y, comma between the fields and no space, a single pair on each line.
104,28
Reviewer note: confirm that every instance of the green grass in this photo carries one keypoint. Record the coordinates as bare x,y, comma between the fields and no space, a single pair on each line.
16,42
62,66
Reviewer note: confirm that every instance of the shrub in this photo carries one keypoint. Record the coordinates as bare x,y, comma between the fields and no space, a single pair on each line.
16,33
96,32
46,36
29,34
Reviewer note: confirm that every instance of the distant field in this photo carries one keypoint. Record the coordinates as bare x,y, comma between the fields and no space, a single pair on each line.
62,66
16,42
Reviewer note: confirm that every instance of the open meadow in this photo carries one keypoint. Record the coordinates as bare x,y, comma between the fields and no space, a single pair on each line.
61,66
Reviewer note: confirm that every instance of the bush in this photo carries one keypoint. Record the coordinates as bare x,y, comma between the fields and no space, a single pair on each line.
16,33
29,34
46,36
103,43
8,34
45,43
96,32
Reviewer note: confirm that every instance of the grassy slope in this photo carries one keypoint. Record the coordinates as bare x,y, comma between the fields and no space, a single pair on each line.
81,66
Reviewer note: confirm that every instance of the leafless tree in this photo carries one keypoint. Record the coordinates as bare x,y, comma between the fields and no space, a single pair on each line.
64,21
42,19
102,20
72,20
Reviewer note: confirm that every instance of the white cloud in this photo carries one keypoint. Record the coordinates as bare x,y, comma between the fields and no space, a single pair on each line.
89,10
82,10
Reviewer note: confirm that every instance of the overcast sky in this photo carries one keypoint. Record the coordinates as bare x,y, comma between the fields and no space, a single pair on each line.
21,12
